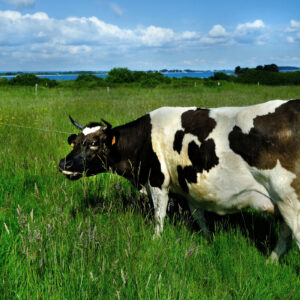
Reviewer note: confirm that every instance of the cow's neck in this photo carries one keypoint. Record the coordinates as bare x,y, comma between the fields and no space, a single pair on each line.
129,154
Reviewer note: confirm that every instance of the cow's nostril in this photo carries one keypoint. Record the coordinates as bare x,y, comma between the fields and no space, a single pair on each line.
64,165
68,164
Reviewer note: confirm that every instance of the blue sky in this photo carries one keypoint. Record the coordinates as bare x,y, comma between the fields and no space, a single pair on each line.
40,35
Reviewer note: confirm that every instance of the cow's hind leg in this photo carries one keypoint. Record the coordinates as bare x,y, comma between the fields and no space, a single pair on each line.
283,243
290,211
289,208
160,200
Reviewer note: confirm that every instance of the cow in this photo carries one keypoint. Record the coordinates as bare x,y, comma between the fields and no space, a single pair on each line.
220,159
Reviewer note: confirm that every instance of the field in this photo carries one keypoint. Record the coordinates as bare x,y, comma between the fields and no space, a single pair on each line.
92,239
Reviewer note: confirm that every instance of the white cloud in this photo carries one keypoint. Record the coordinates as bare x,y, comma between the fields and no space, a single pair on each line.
39,40
155,36
217,35
294,26
218,31
251,33
20,3
294,31
257,24
39,27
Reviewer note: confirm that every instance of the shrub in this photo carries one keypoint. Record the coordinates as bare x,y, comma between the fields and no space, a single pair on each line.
269,78
3,81
151,80
120,75
25,79
46,82
139,76
222,76
31,80
209,82
89,80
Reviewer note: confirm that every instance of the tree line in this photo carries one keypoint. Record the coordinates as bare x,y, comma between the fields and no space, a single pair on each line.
265,75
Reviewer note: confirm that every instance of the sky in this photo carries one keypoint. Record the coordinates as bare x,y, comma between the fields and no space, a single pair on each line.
65,35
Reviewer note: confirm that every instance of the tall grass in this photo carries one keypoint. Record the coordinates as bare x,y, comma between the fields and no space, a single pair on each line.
92,239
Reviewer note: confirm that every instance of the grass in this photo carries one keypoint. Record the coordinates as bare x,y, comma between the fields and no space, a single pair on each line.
92,239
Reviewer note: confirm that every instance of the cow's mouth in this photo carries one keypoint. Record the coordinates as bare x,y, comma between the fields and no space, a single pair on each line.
71,175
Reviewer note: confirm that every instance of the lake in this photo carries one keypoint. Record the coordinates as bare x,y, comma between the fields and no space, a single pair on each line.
204,74
200,74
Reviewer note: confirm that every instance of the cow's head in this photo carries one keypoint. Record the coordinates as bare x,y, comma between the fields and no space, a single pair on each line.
91,149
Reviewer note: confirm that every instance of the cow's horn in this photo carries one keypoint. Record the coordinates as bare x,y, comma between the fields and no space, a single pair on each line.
109,126
78,125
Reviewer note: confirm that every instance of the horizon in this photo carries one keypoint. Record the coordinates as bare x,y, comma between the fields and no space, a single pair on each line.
100,35
171,70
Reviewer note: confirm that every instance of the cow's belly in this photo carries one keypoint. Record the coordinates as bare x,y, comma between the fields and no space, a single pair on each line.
227,188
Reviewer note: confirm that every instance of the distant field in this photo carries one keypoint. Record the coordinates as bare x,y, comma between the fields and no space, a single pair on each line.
92,239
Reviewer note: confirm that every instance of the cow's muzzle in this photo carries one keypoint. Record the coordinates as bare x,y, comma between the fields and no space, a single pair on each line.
66,169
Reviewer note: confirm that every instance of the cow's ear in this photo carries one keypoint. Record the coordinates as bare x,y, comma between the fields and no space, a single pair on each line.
111,138
71,139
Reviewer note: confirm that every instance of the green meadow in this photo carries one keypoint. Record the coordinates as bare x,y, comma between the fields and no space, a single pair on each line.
92,239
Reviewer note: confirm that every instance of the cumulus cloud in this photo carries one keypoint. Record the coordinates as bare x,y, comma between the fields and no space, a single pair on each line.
217,35
251,32
38,38
20,3
247,33
294,26
294,31
39,27
218,31
257,24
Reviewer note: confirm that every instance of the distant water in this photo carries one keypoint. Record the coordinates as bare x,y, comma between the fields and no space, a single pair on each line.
201,74
59,77
204,74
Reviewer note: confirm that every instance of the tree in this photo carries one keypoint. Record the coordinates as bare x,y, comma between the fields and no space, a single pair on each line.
271,68
25,79
237,70
120,75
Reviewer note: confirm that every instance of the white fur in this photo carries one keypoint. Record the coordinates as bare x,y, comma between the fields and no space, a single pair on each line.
88,130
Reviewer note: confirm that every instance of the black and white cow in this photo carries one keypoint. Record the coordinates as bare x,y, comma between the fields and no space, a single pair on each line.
221,159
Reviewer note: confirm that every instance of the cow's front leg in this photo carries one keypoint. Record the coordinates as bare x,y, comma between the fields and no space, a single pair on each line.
160,200
198,215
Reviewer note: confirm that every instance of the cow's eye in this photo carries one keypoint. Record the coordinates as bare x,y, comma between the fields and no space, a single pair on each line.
94,146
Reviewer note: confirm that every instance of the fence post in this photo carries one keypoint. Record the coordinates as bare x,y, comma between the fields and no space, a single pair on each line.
36,89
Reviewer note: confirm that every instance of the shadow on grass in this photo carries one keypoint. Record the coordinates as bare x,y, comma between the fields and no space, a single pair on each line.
260,229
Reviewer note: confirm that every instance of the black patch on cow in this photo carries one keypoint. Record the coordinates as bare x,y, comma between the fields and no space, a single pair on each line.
181,179
177,145
274,136
187,173
203,157
196,122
